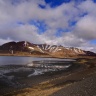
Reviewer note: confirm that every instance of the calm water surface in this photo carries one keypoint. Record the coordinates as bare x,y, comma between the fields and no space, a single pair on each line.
15,60
13,65
13,69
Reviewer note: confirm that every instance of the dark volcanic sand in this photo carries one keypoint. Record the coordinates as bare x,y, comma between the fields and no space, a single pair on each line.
78,80
86,87
22,81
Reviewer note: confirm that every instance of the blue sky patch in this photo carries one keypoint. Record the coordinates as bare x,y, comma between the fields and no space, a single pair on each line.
42,27
55,3
83,14
72,23
94,1
42,6
61,31
93,41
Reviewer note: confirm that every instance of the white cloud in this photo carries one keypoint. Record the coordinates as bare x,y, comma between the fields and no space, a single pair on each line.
86,27
59,17
2,41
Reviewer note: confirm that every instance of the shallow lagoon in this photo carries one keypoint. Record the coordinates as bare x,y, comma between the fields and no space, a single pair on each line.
18,60
14,69
31,65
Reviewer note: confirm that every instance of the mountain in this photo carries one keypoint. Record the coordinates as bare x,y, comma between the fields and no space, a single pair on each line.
25,48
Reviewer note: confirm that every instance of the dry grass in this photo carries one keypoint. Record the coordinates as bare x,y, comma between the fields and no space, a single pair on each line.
49,87
43,89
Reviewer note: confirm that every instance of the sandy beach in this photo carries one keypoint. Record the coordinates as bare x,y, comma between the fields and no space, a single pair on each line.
78,80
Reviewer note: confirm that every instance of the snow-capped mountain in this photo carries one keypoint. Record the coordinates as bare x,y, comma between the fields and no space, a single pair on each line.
53,50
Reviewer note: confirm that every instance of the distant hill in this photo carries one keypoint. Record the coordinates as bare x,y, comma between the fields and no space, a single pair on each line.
42,49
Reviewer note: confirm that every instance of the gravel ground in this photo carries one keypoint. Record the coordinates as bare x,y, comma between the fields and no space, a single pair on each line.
76,81
86,87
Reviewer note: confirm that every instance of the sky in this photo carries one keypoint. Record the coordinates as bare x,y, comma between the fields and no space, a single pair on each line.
71,23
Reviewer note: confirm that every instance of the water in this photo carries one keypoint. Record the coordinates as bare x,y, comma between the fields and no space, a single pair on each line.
13,65
15,60
13,68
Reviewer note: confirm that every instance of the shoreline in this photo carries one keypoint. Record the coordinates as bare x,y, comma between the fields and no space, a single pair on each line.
47,56
50,83
34,80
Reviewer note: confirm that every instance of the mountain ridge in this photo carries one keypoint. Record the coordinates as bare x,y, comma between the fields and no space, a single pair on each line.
42,49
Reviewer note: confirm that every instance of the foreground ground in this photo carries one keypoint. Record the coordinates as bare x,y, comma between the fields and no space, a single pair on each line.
77,81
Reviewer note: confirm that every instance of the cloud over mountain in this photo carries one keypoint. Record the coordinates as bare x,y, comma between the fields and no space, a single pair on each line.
70,23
